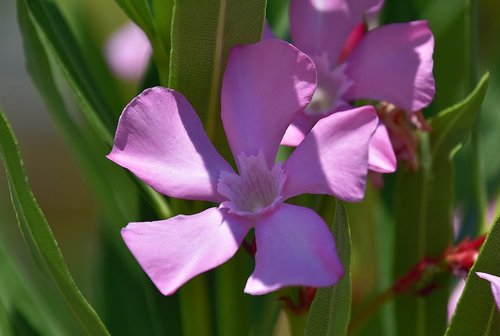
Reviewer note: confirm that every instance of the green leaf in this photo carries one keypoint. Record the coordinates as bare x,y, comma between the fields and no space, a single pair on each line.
58,38
476,312
277,15
424,202
203,33
331,309
5,328
104,177
141,13
37,233
18,293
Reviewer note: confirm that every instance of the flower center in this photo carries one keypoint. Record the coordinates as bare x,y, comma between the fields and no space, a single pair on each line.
256,190
332,85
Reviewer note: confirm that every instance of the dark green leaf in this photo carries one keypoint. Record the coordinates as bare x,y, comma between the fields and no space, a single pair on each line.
141,13
424,202
103,176
476,312
37,232
18,293
331,308
57,36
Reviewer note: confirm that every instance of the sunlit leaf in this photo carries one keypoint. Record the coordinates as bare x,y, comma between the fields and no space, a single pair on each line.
203,33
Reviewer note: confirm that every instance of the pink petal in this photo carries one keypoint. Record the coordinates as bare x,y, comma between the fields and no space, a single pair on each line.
298,130
175,250
161,140
322,26
128,51
455,295
268,34
333,158
265,86
394,63
294,248
495,285
381,156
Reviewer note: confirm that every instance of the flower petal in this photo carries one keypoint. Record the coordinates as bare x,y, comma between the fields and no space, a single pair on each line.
333,158
322,26
495,285
175,250
298,130
294,248
265,86
161,140
394,63
381,156
128,51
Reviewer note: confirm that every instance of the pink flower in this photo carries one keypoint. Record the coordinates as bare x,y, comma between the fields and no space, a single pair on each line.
392,63
128,52
495,285
161,140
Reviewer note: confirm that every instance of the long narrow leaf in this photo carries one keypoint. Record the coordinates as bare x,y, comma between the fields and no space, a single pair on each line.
331,308
57,36
203,33
37,231
424,202
476,312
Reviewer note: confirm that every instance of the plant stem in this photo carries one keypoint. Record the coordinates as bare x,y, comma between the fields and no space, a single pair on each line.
364,315
194,308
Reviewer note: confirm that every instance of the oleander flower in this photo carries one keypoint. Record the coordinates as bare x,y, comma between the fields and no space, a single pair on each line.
128,52
495,285
162,141
392,63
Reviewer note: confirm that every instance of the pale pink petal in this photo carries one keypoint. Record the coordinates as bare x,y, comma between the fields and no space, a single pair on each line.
175,250
268,34
394,63
265,86
495,285
322,26
455,295
294,248
333,158
128,52
298,130
381,156
161,140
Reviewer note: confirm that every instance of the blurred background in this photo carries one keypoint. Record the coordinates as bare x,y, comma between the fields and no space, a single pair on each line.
63,194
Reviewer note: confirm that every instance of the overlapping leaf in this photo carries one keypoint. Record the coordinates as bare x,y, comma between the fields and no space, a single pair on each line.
331,309
476,312
37,233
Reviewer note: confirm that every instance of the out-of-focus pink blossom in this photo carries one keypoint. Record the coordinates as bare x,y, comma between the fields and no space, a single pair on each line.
128,52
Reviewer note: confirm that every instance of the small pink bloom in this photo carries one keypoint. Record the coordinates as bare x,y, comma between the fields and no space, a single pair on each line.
392,63
161,140
495,285
128,52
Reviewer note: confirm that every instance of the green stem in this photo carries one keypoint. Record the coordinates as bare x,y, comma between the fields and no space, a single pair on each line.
231,307
195,308
373,307
297,322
